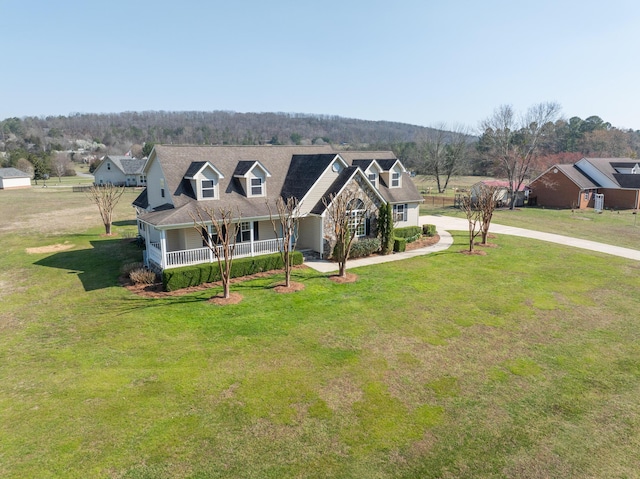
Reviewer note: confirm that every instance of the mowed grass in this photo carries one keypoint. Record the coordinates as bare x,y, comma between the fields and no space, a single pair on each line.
521,363
619,228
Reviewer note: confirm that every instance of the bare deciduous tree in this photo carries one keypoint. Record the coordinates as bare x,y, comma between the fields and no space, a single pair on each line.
472,212
486,204
106,198
442,151
512,140
60,163
222,240
347,213
287,217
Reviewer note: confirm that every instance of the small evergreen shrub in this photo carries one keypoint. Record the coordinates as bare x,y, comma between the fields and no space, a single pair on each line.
399,245
429,230
407,232
364,247
142,276
178,278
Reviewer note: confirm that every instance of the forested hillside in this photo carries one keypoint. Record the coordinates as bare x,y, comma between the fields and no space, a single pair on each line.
50,145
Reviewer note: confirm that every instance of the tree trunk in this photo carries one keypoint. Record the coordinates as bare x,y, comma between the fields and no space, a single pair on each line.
226,292
342,272
107,229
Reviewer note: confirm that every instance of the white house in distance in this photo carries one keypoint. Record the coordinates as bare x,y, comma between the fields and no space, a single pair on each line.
120,171
181,180
13,178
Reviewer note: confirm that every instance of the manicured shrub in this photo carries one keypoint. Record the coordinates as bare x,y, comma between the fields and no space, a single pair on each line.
429,230
407,232
178,278
399,245
364,247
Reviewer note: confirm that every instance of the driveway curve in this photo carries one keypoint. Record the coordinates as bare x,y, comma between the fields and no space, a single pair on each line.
447,223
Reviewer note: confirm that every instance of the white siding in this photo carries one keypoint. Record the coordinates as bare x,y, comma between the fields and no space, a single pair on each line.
103,175
8,183
316,192
155,178
310,233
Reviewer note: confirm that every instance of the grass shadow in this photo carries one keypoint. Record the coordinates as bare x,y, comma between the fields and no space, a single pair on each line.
97,267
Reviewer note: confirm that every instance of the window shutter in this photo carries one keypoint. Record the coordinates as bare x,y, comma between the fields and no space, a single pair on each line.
367,230
256,236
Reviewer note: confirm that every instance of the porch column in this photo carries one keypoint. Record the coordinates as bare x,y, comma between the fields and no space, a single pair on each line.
163,248
210,241
251,236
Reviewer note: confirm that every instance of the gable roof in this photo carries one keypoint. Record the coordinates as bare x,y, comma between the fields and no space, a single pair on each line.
126,164
345,176
303,172
13,173
294,171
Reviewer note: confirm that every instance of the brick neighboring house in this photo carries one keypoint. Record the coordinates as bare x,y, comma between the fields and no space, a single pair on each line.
181,180
575,185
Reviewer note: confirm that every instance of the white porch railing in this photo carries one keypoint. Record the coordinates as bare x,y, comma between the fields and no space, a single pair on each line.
173,259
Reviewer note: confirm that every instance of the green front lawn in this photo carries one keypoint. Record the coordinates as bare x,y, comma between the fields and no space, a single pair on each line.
521,363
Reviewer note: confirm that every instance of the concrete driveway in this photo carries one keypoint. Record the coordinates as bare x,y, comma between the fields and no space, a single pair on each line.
460,224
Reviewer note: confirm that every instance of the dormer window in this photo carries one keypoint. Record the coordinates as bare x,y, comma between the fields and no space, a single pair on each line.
208,189
252,176
256,187
108,166
395,179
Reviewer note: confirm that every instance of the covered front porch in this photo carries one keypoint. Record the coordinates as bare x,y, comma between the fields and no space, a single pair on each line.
184,246
173,259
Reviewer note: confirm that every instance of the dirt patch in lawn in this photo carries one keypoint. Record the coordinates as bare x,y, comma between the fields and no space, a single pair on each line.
349,278
475,252
292,288
234,298
54,248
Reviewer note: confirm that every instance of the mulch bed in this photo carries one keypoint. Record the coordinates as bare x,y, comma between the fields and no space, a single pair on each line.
155,290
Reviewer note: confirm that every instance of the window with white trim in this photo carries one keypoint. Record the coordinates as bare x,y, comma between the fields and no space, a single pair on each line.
400,212
256,187
357,217
395,179
244,232
208,189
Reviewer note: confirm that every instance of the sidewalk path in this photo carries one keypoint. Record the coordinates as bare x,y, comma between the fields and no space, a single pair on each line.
324,266
444,224
460,224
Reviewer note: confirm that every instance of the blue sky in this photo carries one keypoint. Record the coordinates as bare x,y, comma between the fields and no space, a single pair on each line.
420,62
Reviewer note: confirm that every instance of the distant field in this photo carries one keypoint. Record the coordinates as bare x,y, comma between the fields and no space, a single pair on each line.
426,184
524,363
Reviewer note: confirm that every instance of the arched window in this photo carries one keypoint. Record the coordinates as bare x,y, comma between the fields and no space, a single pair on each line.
357,217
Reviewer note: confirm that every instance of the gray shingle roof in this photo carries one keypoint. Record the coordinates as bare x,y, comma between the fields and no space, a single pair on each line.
293,169
13,173
575,175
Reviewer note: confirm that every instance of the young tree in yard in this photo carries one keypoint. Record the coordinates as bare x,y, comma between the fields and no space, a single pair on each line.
486,204
286,220
473,214
512,141
106,198
222,241
347,213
